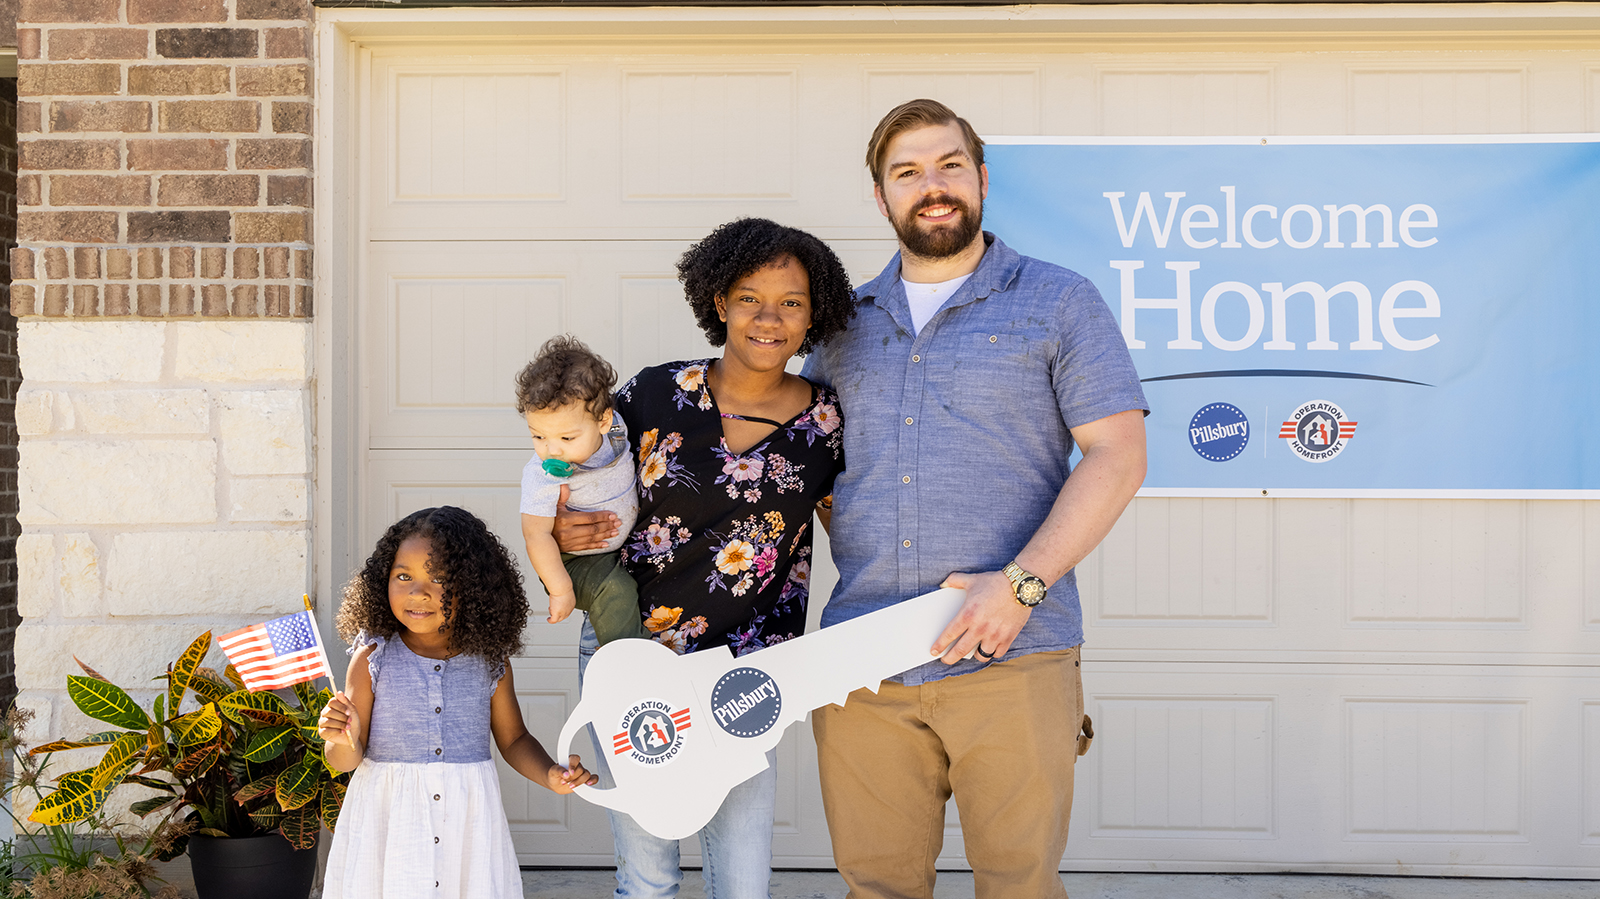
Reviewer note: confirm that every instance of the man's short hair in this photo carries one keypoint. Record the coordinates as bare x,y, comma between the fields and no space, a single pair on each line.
916,114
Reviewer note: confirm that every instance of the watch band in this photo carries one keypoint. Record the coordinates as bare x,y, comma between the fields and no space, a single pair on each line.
1028,588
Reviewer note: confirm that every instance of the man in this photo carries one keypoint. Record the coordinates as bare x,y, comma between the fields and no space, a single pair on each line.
965,379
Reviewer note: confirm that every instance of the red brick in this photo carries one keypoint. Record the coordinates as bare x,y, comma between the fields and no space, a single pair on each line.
288,43
67,227
60,79
28,43
177,155
150,299
30,117
182,262
127,116
302,263
85,299
99,43
209,190
273,81
85,263
55,263
288,190
273,9
210,115
205,226
22,299
77,155
302,301
180,299
244,302
277,301
67,10
178,80
246,263
99,190
269,227
207,43
29,190
275,262
21,264
119,264
148,11
213,262
117,299
149,263
273,153
291,118
214,300
55,300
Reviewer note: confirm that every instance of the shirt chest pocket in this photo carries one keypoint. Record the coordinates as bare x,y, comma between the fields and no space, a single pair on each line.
986,373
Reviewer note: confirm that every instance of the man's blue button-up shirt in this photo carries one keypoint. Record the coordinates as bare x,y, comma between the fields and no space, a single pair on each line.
956,441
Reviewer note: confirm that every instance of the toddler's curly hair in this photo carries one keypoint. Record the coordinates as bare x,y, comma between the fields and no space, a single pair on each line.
710,268
482,585
566,371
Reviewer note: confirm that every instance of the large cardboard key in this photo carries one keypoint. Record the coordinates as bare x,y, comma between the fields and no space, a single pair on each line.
679,732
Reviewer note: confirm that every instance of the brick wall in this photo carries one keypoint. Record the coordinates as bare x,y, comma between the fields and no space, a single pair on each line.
165,158
10,378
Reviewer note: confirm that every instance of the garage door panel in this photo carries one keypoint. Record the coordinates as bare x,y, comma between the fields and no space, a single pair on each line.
700,135
1200,98
463,134
1406,99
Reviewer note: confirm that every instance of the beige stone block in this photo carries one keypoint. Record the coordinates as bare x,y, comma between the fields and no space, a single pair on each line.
242,351
37,411
79,562
256,573
117,482
91,352
36,574
42,705
127,654
264,431
142,411
269,499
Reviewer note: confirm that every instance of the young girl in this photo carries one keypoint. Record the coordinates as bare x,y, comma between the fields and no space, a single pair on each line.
434,615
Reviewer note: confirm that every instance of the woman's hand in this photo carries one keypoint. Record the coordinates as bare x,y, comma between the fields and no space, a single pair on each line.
578,531
565,780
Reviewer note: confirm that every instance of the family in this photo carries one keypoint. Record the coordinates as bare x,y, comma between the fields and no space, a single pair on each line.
929,431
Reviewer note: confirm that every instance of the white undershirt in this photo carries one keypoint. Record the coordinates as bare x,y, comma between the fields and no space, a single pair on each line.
925,299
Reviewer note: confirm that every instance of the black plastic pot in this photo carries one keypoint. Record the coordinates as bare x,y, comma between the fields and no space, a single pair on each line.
251,868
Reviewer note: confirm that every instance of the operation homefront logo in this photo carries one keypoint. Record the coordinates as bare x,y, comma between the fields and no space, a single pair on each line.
1219,432
652,733
745,702
1318,431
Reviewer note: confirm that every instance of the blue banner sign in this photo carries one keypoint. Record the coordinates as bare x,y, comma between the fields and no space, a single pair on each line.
1338,316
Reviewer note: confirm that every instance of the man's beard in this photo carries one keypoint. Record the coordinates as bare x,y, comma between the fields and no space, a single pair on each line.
942,241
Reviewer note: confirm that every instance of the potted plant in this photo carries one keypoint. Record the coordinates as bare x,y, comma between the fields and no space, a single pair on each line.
236,764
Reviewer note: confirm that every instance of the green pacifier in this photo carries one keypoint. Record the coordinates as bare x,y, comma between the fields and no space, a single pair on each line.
558,468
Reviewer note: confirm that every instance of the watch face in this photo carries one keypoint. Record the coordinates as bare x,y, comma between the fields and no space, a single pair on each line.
1030,592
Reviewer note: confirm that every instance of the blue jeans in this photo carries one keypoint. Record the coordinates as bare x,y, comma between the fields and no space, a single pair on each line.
735,845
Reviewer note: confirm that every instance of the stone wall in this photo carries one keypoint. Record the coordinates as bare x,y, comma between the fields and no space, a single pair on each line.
163,290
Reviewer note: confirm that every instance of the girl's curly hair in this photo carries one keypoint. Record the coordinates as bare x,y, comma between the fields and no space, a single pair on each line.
482,584
742,246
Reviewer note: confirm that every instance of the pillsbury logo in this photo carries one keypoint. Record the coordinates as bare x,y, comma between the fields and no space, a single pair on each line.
1318,431
1219,432
745,702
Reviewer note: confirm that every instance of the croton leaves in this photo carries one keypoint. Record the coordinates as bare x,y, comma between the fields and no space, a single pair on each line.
256,789
105,701
154,804
301,826
298,785
209,686
332,798
197,761
117,761
73,800
233,676
183,669
99,739
267,818
263,709
270,743
198,727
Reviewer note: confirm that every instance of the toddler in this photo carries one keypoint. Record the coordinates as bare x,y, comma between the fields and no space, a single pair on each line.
433,618
579,441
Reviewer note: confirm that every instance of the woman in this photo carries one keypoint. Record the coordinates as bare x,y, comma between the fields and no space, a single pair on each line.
734,453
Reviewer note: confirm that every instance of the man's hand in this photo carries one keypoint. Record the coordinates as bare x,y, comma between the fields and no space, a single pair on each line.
988,621
578,531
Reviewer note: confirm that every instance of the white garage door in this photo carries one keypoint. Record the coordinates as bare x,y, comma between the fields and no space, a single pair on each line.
1386,686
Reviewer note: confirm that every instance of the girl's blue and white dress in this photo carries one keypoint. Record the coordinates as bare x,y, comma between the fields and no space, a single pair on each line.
422,816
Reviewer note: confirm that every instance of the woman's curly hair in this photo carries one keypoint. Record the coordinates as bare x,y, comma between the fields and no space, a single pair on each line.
710,268
482,585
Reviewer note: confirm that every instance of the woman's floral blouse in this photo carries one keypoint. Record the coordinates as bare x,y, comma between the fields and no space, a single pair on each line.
722,547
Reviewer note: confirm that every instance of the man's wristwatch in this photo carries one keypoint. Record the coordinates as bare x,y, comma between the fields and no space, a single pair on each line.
1028,588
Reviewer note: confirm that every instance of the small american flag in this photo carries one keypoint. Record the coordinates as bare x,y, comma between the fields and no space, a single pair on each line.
281,653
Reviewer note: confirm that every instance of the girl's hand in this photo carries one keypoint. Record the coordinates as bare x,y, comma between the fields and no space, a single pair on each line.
339,720
565,780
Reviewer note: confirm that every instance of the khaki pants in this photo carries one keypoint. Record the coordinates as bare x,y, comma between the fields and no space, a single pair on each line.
1004,740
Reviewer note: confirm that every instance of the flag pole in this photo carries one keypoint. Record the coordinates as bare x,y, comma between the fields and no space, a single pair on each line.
332,684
